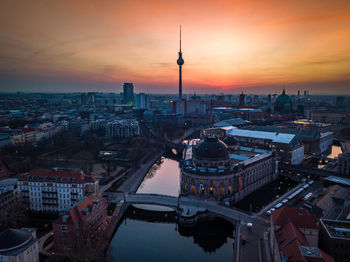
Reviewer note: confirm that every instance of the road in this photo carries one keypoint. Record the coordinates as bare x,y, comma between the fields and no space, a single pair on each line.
41,242
133,182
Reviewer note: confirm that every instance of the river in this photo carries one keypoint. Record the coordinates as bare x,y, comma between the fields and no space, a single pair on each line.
139,238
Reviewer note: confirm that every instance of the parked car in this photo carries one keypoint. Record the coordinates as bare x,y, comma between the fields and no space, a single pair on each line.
243,239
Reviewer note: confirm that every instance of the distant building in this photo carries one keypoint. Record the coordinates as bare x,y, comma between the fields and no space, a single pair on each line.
328,116
142,101
344,163
340,101
238,122
242,100
123,128
335,239
83,99
283,103
71,228
128,93
7,193
5,140
16,136
314,141
334,202
29,134
54,190
19,245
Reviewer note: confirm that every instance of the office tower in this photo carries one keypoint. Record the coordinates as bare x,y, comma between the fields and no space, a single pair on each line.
128,93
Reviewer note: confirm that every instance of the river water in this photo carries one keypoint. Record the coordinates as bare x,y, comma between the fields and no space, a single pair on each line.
139,238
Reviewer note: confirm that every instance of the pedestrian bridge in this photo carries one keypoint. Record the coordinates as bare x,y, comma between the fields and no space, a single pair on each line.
184,202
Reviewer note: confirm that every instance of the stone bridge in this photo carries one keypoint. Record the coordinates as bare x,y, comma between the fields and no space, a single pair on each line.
175,202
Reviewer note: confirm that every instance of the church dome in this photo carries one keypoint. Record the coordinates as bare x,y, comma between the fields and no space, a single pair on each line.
283,103
211,148
283,99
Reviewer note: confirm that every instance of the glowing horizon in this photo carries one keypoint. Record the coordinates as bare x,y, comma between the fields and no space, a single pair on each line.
228,46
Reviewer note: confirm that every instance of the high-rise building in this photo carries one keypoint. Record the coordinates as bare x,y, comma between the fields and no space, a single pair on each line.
83,99
128,93
241,100
142,101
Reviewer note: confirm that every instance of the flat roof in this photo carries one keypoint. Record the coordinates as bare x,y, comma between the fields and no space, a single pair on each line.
340,180
274,136
337,228
326,134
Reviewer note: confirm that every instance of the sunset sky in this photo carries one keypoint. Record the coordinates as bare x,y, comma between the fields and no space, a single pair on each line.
228,46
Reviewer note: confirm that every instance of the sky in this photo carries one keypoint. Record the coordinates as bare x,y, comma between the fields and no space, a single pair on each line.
228,46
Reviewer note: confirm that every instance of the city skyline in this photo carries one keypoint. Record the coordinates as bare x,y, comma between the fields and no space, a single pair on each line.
229,46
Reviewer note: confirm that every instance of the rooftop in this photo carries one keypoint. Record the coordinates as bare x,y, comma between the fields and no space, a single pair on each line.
57,176
15,241
239,157
338,180
300,217
337,228
273,136
79,211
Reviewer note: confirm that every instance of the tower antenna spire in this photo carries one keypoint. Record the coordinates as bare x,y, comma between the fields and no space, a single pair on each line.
180,38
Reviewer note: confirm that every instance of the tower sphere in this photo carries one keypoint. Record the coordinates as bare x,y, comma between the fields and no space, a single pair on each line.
180,60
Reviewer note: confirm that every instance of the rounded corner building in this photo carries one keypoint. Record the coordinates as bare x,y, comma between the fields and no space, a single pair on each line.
224,170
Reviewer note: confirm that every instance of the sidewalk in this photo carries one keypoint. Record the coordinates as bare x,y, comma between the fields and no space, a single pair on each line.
133,182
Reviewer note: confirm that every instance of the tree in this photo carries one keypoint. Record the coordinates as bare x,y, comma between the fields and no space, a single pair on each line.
90,243
14,215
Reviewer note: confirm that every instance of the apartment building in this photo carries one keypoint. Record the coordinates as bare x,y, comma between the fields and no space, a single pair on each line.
55,190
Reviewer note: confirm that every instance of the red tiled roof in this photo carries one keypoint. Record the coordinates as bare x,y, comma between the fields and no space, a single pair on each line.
300,217
288,232
290,238
57,176
75,213
292,251
26,129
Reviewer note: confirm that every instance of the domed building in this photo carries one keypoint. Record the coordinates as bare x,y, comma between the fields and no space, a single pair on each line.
283,103
211,153
19,245
223,170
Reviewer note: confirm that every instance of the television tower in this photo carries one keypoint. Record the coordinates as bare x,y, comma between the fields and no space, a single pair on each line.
180,62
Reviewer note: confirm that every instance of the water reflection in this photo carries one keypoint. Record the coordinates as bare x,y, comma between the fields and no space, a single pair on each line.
139,238
162,178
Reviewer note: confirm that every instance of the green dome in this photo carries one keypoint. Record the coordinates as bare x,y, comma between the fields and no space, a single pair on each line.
283,99
211,148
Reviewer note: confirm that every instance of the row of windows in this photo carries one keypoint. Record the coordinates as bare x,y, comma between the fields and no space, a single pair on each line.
39,184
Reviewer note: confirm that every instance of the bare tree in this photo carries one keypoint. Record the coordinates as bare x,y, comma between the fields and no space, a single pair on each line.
90,243
13,215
